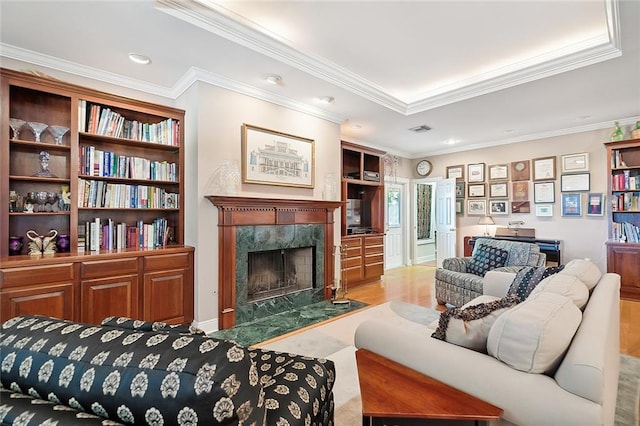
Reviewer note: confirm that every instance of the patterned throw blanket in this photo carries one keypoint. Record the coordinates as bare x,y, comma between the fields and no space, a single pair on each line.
529,277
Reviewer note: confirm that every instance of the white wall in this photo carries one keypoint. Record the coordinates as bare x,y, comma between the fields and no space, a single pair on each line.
219,115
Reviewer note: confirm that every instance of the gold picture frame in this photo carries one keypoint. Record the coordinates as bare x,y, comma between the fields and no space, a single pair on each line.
270,157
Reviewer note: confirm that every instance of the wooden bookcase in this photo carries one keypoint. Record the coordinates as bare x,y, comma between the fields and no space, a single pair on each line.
96,157
623,246
362,182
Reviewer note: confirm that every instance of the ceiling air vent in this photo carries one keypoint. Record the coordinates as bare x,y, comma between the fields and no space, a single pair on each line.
420,129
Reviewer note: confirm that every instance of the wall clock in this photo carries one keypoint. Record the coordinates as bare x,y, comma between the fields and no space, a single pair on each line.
424,167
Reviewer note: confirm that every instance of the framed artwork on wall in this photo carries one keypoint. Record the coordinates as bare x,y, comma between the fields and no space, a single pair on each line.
520,170
455,172
544,192
595,204
544,168
476,190
520,207
459,189
270,157
573,163
520,190
475,172
476,207
498,207
572,204
575,182
459,206
544,210
499,172
499,190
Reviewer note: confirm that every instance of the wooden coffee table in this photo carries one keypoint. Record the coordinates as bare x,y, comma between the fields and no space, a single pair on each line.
395,394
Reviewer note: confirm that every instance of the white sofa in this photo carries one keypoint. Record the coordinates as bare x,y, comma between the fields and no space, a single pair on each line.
581,391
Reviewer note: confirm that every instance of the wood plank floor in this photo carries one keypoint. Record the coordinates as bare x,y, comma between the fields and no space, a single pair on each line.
414,284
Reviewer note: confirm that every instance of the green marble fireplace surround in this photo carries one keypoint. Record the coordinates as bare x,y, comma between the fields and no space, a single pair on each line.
272,237
249,224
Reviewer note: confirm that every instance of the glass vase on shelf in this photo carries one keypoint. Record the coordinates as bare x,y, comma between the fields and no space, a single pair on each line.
617,134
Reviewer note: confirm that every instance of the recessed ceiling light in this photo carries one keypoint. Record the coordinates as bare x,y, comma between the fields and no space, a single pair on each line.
139,59
450,142
326,99
583,117
272,78
420,129
355,126
509,131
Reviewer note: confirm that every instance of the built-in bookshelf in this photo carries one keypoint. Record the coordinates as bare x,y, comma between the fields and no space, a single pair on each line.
623,245
103,175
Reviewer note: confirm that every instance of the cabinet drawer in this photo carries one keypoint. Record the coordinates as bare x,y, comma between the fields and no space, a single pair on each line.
353,262
352,242
109,268
369,250
166,262
353,252
374,258
374,241
37,275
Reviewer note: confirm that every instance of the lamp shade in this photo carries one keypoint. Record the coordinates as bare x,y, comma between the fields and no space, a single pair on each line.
486,220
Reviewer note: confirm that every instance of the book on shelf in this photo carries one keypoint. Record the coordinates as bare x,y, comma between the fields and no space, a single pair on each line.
105,234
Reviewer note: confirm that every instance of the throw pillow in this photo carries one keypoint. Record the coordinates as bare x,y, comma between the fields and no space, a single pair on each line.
138,325
533,336
565,285
584,269
469,326
529,277
486,258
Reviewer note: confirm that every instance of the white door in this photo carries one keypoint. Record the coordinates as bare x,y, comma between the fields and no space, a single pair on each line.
445,220
394,225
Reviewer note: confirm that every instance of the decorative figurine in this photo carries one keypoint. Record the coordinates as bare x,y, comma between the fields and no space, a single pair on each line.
41,244
44,165
65,198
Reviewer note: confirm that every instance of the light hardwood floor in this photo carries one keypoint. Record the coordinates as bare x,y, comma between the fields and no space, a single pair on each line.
414,284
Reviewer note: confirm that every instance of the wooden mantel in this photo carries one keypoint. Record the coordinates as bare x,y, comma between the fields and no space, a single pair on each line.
249,211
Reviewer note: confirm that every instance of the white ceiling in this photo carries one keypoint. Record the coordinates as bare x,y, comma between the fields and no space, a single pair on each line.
480,73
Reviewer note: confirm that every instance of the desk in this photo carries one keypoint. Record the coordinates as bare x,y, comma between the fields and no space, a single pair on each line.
394,394
549,247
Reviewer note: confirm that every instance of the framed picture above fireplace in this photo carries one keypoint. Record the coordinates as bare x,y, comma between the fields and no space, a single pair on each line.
270,157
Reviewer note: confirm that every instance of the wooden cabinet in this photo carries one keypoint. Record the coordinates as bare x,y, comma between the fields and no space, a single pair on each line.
106,174
362,214
89,287
623,246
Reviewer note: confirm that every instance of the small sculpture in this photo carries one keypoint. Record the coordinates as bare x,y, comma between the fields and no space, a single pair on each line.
65,198
44,165
41,244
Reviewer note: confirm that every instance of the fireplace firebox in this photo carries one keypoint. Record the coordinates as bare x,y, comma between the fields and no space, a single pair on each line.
273,273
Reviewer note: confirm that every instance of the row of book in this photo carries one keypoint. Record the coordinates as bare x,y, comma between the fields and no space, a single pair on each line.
626,232
95,162
99,234
629,201
98,193
616,160
624,181
101,120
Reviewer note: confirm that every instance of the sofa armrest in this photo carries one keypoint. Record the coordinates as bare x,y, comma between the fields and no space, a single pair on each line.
456,264
480,375
497,281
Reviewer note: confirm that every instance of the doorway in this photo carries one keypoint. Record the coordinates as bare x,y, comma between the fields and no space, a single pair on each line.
396,213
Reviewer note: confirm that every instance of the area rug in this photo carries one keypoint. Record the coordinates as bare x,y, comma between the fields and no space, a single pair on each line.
266,328
334,341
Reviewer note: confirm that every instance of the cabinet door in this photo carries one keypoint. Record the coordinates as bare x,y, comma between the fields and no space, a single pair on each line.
113,296
164,297
623,259
54,300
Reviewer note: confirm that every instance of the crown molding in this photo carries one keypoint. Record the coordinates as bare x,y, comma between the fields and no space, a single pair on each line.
215,18
190,77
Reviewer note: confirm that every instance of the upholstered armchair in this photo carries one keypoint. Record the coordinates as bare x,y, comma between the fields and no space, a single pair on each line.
461,278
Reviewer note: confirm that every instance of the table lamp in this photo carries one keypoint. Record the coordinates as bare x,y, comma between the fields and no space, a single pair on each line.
486,221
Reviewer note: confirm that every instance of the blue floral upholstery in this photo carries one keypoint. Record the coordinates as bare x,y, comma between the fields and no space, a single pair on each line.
456,285
124,372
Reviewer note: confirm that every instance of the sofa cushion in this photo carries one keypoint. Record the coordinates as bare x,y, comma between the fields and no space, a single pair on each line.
469,325
534,335
584,269
528,277
486,258
565,285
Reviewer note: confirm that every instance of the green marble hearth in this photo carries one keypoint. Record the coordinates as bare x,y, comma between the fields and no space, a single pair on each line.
250,333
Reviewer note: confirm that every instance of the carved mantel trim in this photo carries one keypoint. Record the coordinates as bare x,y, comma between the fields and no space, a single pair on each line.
249,211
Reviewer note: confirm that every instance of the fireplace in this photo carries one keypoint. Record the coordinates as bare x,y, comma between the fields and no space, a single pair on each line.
274,273
249,226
